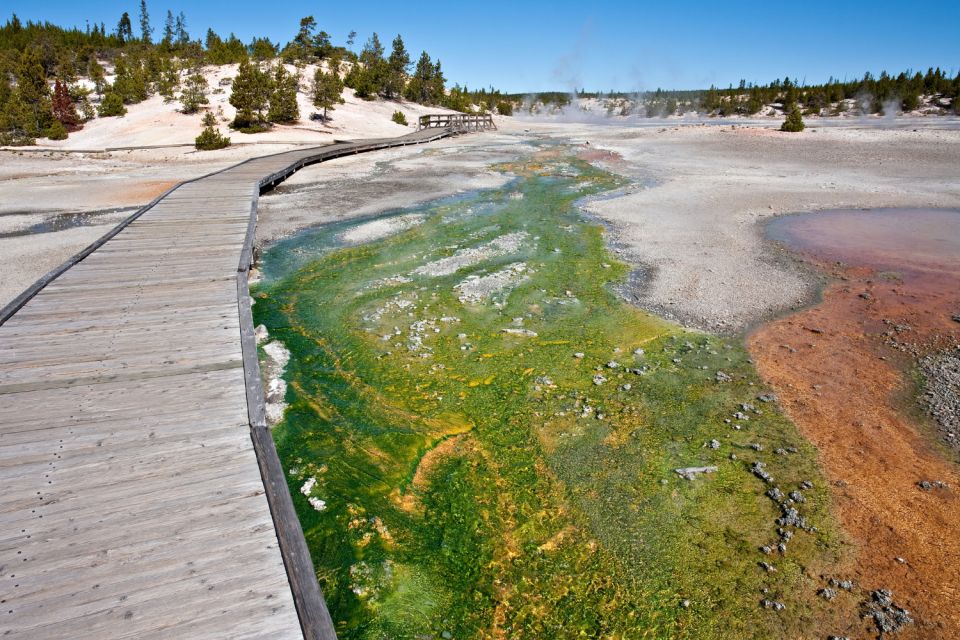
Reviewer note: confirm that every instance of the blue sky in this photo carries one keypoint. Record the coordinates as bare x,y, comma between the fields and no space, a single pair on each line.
536,45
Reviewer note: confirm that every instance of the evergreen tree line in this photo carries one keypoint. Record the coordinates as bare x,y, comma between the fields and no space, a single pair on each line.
869,95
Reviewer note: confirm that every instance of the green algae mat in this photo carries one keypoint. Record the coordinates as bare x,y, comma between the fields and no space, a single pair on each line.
482,438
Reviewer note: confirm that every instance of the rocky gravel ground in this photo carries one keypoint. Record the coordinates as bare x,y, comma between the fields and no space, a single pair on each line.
941,396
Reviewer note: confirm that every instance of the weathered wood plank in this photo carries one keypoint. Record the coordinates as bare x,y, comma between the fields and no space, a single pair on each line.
143,496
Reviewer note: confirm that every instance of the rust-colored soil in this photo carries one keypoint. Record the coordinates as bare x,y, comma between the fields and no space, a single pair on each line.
842,376
143,192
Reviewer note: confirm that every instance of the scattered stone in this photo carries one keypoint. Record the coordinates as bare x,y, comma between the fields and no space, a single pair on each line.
714,444
775,494
739,415
260,333
685,604
599,379
827,593
927,485
579,355
766,550
638,352
780,451
613,364
526,333
772,604
769,568
626,387
806,485
796,496
733,456
900,560
866,296
886,614
756,446
955,317
759,469
838,638
689,473
722,377
846,585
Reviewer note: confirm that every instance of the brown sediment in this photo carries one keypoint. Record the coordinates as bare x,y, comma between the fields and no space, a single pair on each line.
842,373
135,192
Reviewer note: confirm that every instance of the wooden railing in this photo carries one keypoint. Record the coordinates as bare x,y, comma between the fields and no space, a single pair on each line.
457,121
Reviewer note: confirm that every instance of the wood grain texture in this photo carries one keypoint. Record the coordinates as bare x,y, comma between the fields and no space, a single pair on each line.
143,496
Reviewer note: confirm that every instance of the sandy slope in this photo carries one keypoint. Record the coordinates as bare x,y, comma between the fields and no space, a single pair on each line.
154,122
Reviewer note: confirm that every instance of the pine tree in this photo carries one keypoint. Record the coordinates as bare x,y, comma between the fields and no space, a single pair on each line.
283,99
168,33
262,49
303,41
32,97
130,81
124,28
145,29
327,88
210,138
63,108
419,87
96,75
396,69
438,83
250,96
367,78
111,105
181,29
794,121
169,81
194,93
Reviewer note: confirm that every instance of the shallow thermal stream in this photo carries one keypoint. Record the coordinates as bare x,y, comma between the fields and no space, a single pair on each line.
482,439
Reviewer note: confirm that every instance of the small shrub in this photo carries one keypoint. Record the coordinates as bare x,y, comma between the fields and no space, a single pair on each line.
112,105
16,139
794,121
56,131
210,139
505,108
399,118
209,120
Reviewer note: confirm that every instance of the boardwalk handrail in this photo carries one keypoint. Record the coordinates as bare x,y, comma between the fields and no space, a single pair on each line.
314,618
457,121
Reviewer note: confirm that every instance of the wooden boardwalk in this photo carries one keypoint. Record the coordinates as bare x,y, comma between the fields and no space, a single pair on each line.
141,493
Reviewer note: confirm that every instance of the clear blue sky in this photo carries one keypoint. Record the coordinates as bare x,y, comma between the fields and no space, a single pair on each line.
535,45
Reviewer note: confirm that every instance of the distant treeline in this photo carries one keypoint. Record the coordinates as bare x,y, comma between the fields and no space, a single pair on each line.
41,63
869,95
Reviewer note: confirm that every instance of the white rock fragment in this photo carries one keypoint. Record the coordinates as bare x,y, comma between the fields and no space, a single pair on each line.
377,229
475,289
504,245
